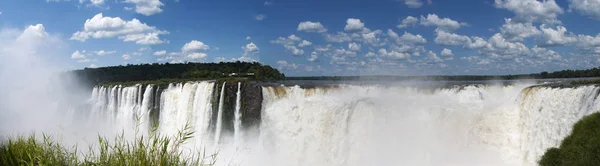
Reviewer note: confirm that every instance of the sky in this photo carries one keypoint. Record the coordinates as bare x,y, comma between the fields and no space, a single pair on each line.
318,37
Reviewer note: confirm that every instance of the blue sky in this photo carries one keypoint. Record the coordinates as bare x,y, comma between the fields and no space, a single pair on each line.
316,37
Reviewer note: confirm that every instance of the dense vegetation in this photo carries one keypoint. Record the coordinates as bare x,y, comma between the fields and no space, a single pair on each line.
582,147
149,150
594,72
183,71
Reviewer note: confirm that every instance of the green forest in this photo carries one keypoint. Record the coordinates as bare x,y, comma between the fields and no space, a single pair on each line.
181,71
594,72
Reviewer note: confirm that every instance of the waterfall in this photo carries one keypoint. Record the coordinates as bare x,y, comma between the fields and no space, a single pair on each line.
183,104
237,126
219,123
548,116
361,125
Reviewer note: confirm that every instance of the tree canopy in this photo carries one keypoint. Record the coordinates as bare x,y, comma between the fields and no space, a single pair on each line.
200,71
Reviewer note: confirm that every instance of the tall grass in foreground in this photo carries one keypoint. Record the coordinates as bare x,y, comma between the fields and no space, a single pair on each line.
152,149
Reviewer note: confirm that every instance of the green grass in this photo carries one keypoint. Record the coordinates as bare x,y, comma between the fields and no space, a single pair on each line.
152,149
582,147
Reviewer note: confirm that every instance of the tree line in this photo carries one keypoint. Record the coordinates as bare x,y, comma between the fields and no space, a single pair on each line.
200,71
593,72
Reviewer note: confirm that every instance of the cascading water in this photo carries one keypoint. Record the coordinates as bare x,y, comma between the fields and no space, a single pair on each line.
364,125
237,123
219,123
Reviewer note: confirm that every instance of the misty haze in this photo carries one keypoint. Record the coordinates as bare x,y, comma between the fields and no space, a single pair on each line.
300,83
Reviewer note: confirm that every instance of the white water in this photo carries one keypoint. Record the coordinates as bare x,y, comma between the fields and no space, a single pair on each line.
237,124
372,125
219,123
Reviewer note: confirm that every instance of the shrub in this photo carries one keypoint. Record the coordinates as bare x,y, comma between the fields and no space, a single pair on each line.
582,147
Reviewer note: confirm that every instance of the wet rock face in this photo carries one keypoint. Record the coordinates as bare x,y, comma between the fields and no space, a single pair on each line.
252,98
250,105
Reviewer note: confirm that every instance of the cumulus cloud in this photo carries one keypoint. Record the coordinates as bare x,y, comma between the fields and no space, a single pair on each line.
103,52
354,47
126,56
108,27
196,56
589,8
555,37
294,50
194,45
450,39
415,3
289,43
308,26
513,31
304,43
446,52
393,54
445,24
160,53
146,7
408,22
313,57
406,38
260,17
77,55
248,38
340,37
432,57
250,49
354,24
532,10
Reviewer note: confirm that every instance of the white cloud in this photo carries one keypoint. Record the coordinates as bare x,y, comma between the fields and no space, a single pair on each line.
432,56
160,53
532,10
290,40
145,39
408,22
589,8
450,39
77,55
588,42
196,56
294,50
354,47
260,17
144,49
415,3
194,45
268,3
93,66
308,26
340,37
102,52
446,52
304,43
323,49
248,38
372,38
498,47
146,7
445,24
108,27
392,54
250,49
313,57
126,56
353,24
406,38
555,37
513,31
